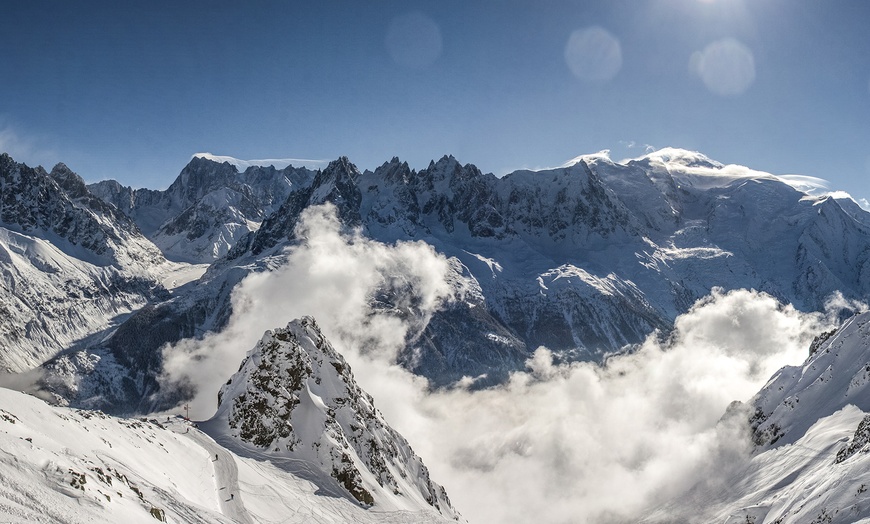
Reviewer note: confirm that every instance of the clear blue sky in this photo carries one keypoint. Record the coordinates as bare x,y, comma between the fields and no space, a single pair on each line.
130,90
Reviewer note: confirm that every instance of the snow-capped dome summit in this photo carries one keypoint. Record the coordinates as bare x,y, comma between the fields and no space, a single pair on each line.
683,157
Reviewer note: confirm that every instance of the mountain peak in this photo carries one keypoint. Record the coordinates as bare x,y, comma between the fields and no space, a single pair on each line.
342,164
295,396
684,157
446,161
200,162
72,183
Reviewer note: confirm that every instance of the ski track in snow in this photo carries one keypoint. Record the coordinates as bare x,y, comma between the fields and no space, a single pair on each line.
226,475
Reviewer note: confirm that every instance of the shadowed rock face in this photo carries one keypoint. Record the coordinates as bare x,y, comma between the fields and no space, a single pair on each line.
295,396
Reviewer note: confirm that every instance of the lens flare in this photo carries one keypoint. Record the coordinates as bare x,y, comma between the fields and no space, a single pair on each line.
727,67
593,54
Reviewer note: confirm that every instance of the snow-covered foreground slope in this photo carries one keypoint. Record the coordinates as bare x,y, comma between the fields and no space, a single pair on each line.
59,465
811,427
63,465
796,483
837,374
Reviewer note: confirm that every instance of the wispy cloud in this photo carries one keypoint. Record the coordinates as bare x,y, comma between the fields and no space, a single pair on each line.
628,148
807,184
24,148
603,154
279,163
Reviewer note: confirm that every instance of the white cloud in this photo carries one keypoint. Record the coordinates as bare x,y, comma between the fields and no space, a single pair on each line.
837,302
589,443
557,443
331,276
25,149
279,163
839,195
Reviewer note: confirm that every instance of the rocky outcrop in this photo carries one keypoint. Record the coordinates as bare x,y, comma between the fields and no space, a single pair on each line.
295,396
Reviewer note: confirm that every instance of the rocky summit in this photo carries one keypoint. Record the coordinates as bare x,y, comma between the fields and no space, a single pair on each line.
295,397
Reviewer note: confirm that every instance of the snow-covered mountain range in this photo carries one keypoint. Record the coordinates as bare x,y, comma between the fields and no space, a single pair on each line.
583,259
71,264
587,259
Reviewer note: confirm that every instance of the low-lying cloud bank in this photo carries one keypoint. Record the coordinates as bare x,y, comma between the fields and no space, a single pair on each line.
589,443
558,443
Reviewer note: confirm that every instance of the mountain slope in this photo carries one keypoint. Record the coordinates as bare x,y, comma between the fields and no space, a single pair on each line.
208,207
69,264
294,397
836,374
810,427
70,466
